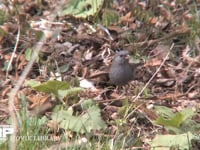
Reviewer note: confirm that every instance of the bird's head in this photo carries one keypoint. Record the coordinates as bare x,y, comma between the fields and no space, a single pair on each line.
121,57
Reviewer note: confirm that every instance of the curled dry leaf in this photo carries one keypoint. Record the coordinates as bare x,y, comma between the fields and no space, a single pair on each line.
166,82
87,84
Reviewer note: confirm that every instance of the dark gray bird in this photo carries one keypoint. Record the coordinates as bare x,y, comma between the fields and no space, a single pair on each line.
121,71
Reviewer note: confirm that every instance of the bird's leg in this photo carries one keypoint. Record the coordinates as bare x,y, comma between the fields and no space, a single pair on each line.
126,89
117,89
120,90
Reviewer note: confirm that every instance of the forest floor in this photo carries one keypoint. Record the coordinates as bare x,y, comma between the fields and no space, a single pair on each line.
54,80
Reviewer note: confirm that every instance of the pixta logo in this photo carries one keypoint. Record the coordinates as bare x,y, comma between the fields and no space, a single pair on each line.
5,130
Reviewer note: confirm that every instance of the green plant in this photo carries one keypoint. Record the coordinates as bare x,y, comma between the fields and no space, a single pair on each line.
82,9
89,120
179,122
109,16
59,89
31,134
166,142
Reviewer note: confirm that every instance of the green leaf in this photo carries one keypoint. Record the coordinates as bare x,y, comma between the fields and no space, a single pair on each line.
165,142
187,113
90,120
69,92
174,119
164,111
28,54
175,122
32,83
5,67
52,87
87,104
64,68
82,8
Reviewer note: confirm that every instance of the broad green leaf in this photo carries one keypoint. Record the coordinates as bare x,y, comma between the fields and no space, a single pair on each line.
69,92
175,122
174,119
82,8
32,83
90,120
164,111
52,87
187,113
87,104
165,142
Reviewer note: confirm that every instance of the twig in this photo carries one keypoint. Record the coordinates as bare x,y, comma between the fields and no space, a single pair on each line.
140,93
14,51
14,91
11,106
154,73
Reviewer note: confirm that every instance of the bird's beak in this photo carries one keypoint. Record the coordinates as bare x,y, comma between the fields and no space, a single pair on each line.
127,57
